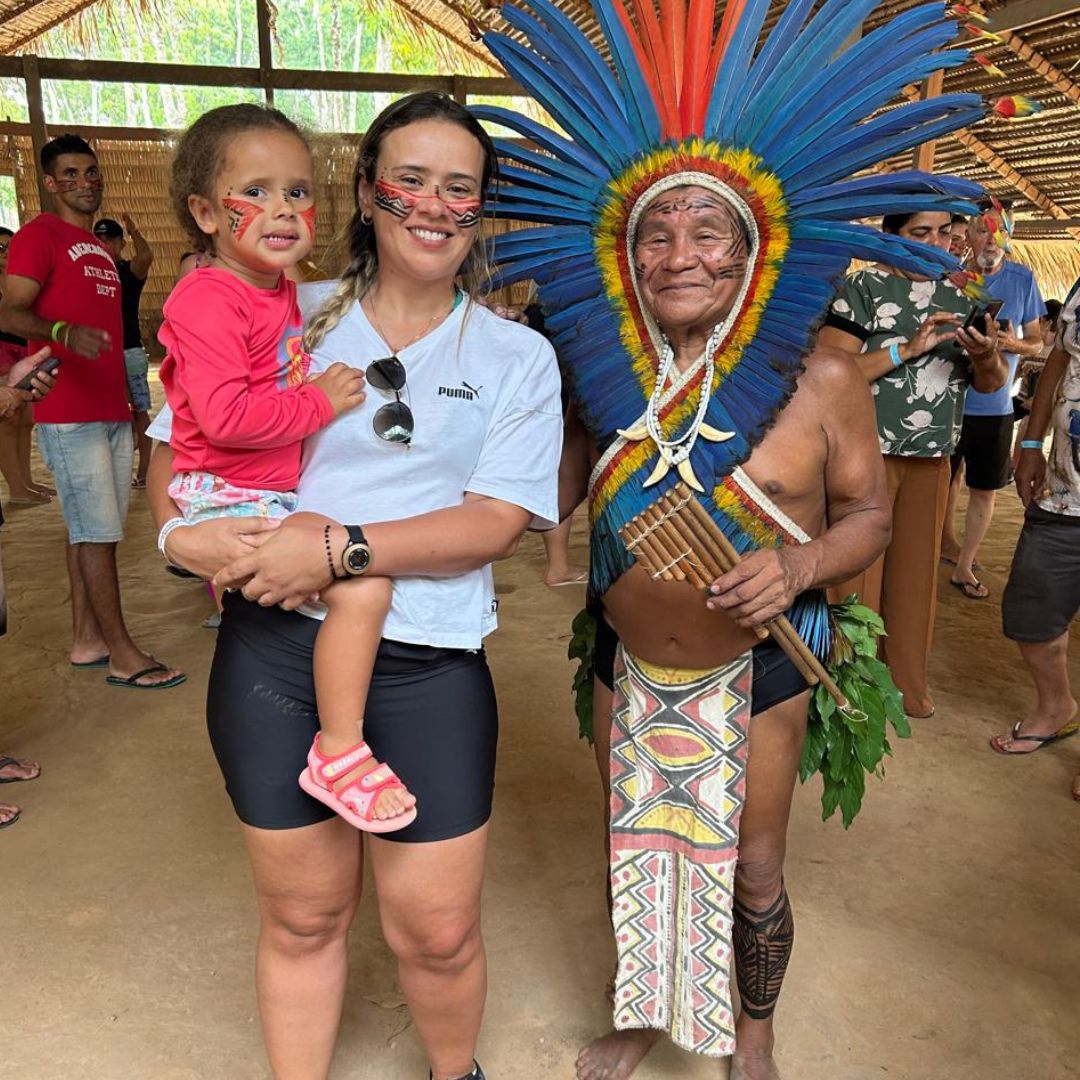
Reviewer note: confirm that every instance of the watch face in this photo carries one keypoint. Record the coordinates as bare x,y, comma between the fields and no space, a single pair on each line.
357,558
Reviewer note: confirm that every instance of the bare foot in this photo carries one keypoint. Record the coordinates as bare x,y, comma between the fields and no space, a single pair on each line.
751,1067
616,1055
41,489
1076,787
8,815
12,769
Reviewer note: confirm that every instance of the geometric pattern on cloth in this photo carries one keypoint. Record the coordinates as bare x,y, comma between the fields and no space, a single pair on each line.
678,781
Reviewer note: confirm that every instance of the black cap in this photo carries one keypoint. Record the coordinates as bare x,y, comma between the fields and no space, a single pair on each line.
108,229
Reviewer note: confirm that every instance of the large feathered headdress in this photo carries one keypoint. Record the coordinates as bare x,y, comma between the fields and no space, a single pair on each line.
779,129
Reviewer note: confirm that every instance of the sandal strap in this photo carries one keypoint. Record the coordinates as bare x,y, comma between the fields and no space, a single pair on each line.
331,769
1017,737
360,795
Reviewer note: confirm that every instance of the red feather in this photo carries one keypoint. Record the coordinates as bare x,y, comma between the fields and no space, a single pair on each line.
664,76
694,100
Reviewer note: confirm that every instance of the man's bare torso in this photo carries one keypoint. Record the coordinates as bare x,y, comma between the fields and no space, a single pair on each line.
667,623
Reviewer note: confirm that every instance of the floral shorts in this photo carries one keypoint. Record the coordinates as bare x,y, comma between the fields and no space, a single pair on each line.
202,496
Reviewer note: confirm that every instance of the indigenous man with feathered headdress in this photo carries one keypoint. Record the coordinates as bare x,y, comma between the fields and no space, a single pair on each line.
695,218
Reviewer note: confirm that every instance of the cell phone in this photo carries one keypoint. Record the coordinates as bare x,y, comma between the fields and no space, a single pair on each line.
49,366
977,319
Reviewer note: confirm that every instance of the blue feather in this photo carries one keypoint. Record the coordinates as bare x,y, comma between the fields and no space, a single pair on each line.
640,108
834,23
731,76
562,189
537,77
831,109
544,163
578,44
898,183
544,137
885,136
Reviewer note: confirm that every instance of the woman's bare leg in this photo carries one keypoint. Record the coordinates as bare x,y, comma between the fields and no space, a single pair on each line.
307,882
429,903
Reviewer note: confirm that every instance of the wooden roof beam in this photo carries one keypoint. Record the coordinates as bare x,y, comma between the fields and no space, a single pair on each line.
1038,63
990,157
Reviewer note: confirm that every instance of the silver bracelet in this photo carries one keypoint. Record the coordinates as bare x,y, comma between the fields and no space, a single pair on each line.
166,531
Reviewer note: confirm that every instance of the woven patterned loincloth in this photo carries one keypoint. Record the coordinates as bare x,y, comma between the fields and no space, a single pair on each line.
678,779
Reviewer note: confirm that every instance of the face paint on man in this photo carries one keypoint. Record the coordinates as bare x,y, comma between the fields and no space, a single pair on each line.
241,215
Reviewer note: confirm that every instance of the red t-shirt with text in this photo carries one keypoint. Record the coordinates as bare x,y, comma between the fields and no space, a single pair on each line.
234,377
80,285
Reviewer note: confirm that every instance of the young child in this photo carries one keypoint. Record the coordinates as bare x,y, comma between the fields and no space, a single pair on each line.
235,377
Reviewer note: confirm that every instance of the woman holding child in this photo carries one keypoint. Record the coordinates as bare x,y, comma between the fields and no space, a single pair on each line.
424,484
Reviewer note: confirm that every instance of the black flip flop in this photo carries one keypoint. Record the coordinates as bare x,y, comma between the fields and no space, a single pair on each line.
101,661
964,586
5,761
132,681
11,820
1067,731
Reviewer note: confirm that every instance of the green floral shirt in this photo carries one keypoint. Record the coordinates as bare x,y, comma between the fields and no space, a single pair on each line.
920,405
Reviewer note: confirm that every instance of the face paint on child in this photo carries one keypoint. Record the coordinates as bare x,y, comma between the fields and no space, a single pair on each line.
401,202
241,215
308,218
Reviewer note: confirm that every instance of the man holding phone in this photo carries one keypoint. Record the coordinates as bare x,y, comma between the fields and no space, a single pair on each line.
63,291
985,446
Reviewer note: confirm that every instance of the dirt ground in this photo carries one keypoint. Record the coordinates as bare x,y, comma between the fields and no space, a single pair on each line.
936,939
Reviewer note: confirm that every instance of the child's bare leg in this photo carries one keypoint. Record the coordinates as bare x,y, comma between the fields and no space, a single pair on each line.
345,650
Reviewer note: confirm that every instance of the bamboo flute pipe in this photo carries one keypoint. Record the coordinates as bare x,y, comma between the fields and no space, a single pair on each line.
673,545
636,539
671,556
783,625
711,556
666,562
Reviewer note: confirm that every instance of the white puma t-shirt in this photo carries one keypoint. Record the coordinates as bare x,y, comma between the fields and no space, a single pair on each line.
484,394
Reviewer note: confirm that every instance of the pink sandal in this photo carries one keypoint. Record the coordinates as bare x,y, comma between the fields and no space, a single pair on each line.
354,800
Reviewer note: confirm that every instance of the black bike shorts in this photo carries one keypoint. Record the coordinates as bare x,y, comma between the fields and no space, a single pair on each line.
431,716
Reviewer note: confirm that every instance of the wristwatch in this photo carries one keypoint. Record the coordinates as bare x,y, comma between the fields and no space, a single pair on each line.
356,558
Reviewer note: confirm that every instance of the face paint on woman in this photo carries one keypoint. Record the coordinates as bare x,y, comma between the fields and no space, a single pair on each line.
401,202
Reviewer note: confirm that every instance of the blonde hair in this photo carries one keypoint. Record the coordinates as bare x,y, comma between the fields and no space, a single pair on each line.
363,268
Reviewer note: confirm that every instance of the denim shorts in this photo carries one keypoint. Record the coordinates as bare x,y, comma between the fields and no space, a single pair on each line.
137,364
91,464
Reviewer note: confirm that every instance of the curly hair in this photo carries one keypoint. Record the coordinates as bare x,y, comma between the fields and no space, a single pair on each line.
363,267
201,152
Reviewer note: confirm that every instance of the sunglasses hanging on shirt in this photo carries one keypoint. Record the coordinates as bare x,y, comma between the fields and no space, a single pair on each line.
393,422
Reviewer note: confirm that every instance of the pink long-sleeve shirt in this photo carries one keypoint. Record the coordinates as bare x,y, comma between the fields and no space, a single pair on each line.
234,378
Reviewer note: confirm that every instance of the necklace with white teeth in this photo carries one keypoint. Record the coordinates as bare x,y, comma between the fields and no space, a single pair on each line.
412,341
